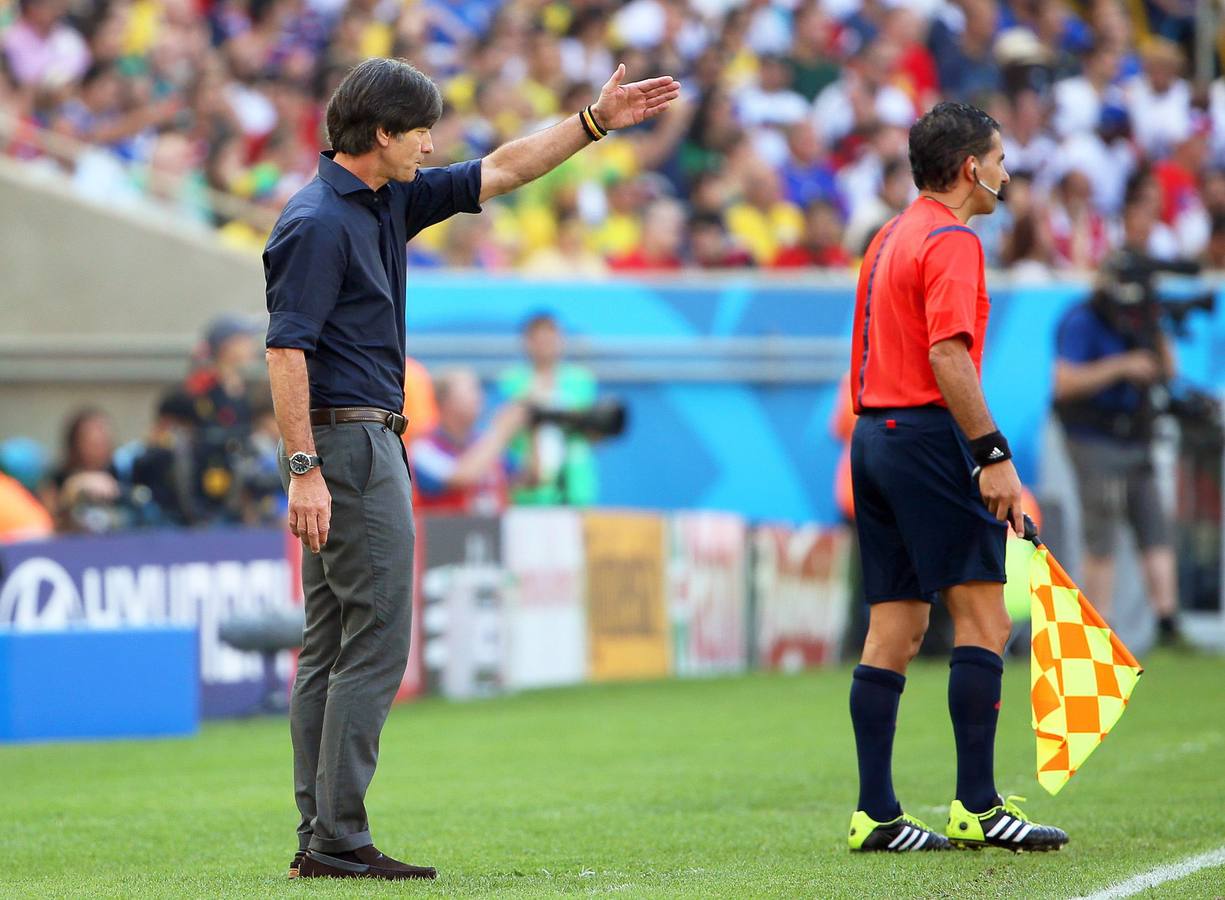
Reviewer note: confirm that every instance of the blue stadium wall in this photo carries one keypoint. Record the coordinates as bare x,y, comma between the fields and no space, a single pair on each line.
763,450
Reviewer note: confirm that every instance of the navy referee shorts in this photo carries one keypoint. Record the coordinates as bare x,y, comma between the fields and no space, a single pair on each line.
921,520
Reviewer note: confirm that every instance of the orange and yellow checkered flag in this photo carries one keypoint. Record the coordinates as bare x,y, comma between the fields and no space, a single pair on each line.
1080,673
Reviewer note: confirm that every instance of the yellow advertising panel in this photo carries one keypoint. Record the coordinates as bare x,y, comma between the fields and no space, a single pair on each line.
627,623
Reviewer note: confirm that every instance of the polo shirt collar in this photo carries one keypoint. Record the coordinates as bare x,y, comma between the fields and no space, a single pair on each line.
340,178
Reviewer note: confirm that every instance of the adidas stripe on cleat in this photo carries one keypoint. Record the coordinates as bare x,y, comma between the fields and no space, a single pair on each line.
1004,825
901,835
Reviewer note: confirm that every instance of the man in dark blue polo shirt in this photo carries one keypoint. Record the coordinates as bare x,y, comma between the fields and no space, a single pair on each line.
335,272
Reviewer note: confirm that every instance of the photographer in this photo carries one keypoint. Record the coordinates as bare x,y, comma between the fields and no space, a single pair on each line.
1113,364
564,464
456,470
218,385
164,462
224,459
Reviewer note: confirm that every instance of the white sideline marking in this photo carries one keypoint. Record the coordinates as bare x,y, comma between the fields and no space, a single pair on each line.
1161,875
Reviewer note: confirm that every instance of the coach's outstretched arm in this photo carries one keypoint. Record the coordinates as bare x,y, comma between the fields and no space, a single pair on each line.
958,381
620,106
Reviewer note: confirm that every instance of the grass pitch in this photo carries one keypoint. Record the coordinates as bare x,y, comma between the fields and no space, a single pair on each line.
734,787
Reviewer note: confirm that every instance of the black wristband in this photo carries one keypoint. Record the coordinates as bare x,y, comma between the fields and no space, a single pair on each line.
990,448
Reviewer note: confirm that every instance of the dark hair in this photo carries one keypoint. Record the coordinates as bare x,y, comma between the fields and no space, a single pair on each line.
824,205
1022,242
891,168
380,93
575,95
706,220
177,404
97,71
538,319
943,138
72,434
584,19
1137,181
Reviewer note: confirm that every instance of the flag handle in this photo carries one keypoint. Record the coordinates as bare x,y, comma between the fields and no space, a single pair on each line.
1031,530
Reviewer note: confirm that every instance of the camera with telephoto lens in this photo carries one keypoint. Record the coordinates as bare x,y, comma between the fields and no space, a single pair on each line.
233,480
606,418
132,508
1127,296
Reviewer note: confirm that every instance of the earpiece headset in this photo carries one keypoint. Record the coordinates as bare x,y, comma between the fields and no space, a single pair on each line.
994,192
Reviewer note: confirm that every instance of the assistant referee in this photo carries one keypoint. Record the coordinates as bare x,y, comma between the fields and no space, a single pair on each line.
926,529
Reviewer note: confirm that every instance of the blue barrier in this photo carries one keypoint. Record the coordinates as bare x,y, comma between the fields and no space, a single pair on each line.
93,684
162,579
762,450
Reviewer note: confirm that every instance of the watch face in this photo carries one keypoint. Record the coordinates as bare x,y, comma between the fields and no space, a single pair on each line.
299,463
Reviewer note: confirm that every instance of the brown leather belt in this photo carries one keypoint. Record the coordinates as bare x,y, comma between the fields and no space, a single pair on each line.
337,415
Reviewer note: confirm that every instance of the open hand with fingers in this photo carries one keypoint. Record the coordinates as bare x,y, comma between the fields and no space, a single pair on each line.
622,105
310,509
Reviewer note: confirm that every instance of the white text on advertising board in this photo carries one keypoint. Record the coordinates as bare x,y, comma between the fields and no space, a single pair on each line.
40,595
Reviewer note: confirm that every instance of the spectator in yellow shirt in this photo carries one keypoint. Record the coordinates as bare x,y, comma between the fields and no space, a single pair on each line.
763,222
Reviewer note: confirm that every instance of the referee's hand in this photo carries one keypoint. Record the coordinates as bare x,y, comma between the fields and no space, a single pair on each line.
310,509
1001,490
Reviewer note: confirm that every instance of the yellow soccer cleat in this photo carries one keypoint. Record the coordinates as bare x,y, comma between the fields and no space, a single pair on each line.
900,835
1003,825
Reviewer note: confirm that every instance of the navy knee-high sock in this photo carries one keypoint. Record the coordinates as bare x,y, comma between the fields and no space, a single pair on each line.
974,706
874,700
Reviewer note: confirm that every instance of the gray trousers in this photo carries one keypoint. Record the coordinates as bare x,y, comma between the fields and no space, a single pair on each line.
1116,482
358,612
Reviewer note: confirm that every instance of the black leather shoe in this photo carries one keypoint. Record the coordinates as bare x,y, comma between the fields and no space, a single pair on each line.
364,862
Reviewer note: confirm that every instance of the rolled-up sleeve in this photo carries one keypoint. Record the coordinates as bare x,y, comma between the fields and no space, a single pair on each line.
304,264
441,192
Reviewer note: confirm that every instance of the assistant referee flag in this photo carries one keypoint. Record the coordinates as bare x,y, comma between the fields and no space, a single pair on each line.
1081,675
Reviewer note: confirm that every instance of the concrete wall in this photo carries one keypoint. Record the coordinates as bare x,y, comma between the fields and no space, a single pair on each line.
101,307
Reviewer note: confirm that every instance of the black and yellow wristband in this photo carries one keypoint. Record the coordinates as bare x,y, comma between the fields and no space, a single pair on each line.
590,125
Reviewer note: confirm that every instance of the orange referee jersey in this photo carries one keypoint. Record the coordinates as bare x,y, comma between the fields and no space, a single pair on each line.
922,282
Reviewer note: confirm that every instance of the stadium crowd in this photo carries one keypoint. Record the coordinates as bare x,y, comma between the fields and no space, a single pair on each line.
207,458
789,149
210,456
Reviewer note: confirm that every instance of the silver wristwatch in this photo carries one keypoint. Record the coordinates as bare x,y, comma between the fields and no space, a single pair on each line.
301,463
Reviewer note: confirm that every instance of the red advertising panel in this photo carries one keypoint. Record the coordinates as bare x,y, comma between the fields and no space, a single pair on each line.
707,593
801,590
